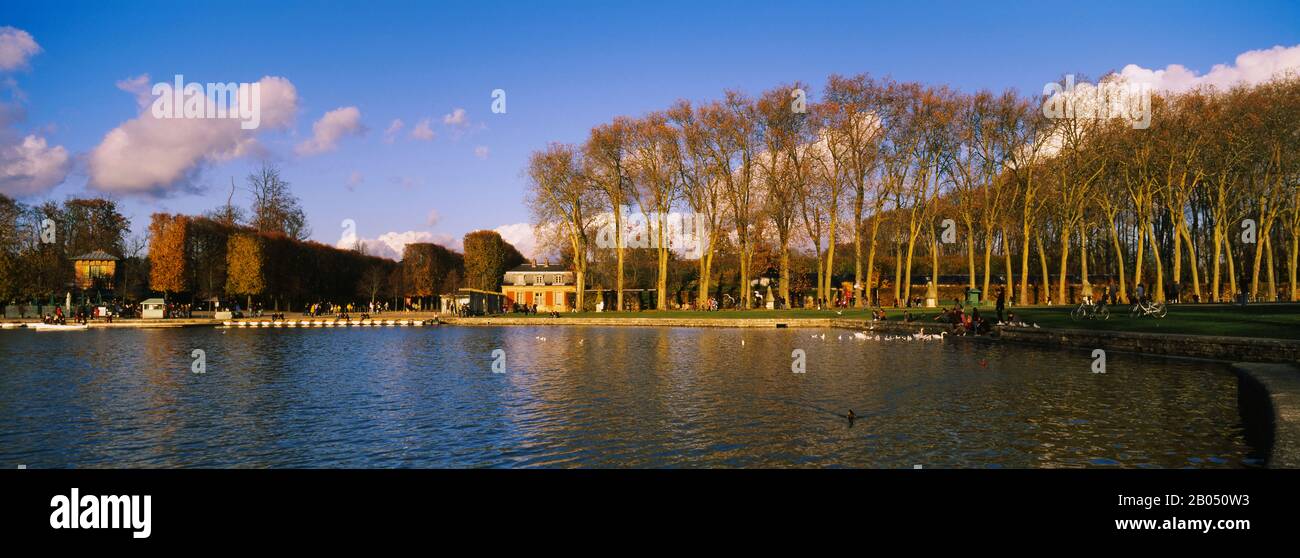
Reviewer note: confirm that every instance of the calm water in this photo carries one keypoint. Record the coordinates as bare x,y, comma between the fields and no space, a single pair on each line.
625,397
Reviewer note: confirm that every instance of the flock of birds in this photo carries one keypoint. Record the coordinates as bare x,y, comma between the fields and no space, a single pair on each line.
857,335
863,336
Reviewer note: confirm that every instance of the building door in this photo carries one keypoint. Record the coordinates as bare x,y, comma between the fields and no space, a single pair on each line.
550,298
528,298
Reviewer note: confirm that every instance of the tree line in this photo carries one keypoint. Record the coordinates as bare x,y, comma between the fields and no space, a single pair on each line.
38,241
906,179
231,253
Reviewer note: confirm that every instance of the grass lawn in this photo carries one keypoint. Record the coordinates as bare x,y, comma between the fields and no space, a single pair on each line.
1280,321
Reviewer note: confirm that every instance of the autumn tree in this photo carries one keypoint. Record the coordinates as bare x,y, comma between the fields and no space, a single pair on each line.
168,241
606,167
487,258
852,121
701,187
654,169
560,195
732,144
425,266
245,263
785,166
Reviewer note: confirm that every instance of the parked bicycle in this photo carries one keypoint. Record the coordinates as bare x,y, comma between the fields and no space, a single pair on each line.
1148,308
1089,310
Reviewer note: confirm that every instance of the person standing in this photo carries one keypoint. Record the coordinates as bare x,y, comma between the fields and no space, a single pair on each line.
1002,302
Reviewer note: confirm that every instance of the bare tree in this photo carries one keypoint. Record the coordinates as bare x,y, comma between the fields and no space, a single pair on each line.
606,153
559,194
654,168
702,188
275,208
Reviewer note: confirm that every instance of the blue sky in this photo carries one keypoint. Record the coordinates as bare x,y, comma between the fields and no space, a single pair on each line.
565,66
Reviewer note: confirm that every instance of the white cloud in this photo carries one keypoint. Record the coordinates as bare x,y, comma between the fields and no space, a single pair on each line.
1250,67
457,119
394,128
139,87
28,164
326,132
522,236
423,131
31,167
481,152
390,244
16,48
149,155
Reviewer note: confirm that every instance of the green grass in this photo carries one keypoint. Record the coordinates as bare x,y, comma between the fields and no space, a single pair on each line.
1279,321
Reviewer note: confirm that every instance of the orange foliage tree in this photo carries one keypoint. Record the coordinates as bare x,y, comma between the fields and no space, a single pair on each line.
168,265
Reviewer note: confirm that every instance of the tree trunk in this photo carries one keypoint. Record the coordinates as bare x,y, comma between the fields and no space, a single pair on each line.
1042,263
706,271
1272,274
1137,265
1065,259
661,284
858,285
907,276
1006,254
744,273
1294,257
1192,264
970,255
830,254
1119,261
1024,264
871,259
784,291
1216,286
618,247
1159,289
898,274
988,258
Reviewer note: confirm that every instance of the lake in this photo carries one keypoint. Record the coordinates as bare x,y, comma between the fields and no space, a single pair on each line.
597,397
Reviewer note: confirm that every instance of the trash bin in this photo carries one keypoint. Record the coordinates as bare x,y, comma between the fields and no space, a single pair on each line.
973,297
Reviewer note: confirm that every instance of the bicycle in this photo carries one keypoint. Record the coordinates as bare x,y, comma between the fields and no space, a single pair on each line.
1148,308
1089,310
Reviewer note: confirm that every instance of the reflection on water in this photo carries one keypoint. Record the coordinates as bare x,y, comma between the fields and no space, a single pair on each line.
596,397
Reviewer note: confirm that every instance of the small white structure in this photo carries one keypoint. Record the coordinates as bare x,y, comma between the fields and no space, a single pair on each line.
154,308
